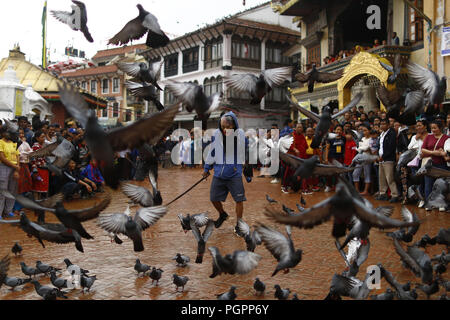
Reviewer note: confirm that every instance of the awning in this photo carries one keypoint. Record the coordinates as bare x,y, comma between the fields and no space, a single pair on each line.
185,117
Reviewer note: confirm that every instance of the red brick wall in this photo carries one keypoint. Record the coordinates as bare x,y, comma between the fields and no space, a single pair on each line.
59,113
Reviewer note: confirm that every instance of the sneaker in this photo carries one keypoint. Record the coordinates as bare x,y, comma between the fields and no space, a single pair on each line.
394,200
327,189
284,190
421,204
10,215
218,223
307,193
274,181
428,208
442,209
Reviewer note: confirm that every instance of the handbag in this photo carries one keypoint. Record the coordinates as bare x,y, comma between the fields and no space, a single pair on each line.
428,159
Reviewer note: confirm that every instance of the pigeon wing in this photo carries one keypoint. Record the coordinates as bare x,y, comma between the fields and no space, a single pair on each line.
311,217
274,241
276,77
388,67
184,91
45,151
243,228
200,219
302,77
51,201
355,101
138,194
414,101
242,82
131,69
113,222
147,130
92,212
208,230
133,30
405,257
146,217
74,103
388,98
312,115
424,77
326,77
245,261
293,161
63,16
30,204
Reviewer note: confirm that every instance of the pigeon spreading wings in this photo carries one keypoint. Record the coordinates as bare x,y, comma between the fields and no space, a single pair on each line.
142,72
139,195
146,92
395,69
200,220
76,20
138,27
258,87
240,262
314,76
62,149
434,87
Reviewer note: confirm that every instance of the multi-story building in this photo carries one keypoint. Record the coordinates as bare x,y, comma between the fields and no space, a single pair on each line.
106,80
247,42
346,30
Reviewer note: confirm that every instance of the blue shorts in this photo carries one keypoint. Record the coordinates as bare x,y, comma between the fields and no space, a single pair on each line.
221,187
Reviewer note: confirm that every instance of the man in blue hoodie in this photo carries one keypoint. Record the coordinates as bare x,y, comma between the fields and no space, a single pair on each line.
228,164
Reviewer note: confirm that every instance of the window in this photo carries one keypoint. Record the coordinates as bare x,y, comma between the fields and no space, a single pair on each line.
105,86
274,54
244,48
278,94
171,65
93,86
116,84
213,53
84,85
105,112
314,55
190,60
415,22
115,110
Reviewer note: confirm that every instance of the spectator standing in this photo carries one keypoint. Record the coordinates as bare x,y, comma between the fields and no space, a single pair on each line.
39,172
335,150
9,171
364,147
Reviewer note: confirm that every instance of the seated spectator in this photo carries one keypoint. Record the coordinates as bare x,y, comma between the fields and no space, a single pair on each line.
92,173
73,183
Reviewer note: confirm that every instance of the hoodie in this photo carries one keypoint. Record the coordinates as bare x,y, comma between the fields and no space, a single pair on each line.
227,165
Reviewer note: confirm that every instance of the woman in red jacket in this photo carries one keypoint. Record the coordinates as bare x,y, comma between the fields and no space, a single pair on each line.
297,149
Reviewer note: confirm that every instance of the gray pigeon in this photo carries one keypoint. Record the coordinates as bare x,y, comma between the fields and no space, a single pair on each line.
180,281
395,70
281,294
252,239
59,283
259,287
439,197
46,292
406,235
138,27
281,247
200,220
76,20
429,289
259,86
87,281
142,195
182,260
143,73
29,271
401,293
16,249
363,159
156,274
193,97
201,238
406,157
387,295
443,237
141,267
295,297
240,262
313,76
434,87
230,295
145,92
14,282
44,268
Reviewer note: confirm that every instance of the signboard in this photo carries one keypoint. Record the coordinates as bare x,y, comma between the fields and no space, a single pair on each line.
445,42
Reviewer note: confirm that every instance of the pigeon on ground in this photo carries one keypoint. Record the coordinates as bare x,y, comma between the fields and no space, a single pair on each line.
76,20
395,70
46,292
281,247
29,271
16,249
401,293
252,239
324,120
102,144
44,268
342,205
87,282
432,85
202,238
387,295
442,258
14,282
295,297
141,267
138,27
142,195
443,237
156,274
259,287
429,289
314,76
230,295
180,281
270,199
143,72
200,220
123,223
240,262
425,241
72,266
145,92
259,86
440,268
281,294
193,97
182,260
59,283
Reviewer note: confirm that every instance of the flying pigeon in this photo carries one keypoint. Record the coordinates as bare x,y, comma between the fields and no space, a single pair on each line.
252,239
142,195
138,27
180,281
143,72
76,20
395,69
193,97
314,76
202,238
259,86
145,92
200,220
403,234
240,262
434,87
281,247
63,151
324,120
123,223
103,144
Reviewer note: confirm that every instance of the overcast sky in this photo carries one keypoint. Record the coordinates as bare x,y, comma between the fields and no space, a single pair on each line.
20,21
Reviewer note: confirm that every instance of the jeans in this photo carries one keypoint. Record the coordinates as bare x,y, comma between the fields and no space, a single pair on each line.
429,181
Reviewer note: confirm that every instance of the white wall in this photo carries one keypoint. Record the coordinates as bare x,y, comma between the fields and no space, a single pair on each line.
266,15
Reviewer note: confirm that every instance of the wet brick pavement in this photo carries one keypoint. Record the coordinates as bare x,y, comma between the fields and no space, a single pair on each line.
114,264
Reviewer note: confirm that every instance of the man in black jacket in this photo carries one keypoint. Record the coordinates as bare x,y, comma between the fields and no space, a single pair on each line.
387,153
